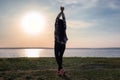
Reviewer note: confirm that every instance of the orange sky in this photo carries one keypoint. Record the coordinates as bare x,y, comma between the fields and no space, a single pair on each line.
88,23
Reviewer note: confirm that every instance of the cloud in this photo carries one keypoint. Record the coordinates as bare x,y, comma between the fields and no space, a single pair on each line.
79,24
80,3
114,4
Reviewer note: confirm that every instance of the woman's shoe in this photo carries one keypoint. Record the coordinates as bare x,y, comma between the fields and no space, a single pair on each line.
58,72
62,72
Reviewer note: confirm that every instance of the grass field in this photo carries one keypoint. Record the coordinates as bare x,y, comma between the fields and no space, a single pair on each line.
45,69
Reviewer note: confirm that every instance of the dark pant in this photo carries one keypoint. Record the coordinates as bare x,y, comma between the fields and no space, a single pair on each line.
59,51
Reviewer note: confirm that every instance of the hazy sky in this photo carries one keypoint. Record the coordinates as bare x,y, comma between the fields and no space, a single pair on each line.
90,23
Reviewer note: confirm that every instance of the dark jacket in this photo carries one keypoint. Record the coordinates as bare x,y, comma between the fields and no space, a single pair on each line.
60,29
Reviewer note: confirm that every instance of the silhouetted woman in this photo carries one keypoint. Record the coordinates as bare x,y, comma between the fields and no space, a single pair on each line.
60,40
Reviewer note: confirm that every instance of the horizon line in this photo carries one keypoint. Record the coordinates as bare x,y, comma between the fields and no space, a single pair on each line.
53,48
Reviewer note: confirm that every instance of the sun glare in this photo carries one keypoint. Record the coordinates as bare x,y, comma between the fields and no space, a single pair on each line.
33,52
33,23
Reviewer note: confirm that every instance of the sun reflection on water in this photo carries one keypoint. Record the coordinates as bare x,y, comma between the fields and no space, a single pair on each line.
32,52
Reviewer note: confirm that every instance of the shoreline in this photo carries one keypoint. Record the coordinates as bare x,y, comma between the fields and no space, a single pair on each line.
54,57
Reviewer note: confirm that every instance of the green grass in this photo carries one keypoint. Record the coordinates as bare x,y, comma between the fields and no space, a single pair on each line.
45,69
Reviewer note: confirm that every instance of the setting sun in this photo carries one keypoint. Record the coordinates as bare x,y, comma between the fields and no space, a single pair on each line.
33,22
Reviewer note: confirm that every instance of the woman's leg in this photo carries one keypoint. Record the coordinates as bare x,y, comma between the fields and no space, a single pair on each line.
57,54
62,49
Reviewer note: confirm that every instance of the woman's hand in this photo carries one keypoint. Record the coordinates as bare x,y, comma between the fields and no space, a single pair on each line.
62,8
